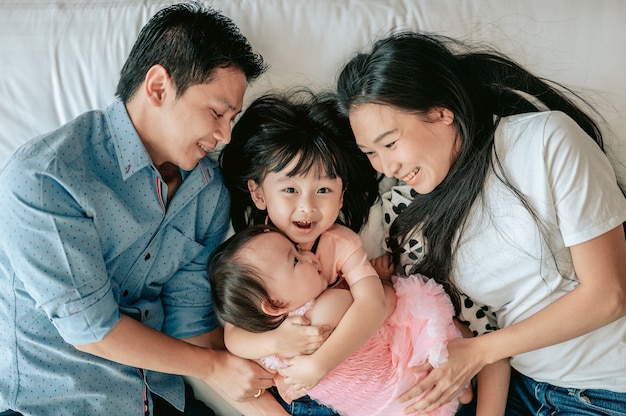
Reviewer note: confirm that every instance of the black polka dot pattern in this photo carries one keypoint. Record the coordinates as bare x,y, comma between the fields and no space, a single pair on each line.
478,317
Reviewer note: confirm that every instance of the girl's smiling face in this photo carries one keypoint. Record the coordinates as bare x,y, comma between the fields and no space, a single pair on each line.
301,206
418,150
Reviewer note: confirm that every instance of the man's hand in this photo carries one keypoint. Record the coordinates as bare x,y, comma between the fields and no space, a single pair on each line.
238,378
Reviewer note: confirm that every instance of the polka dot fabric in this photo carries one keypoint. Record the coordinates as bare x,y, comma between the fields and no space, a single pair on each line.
478,317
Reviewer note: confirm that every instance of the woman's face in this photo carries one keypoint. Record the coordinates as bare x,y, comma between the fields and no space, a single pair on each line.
417,149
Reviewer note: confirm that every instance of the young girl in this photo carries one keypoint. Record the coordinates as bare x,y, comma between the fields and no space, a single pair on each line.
259,276
517,206
292,162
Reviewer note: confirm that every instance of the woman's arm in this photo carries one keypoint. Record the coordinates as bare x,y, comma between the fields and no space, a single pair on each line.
492,388
600,299
369,309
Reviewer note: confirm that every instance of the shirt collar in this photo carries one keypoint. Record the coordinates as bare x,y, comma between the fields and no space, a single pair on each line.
132,155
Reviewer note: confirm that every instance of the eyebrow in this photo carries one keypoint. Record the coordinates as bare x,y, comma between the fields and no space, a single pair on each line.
380,137
230,106
383,135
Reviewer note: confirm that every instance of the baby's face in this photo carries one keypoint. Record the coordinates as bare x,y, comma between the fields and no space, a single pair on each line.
291,276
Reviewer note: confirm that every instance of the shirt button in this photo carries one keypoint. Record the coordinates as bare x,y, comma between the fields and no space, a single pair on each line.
147,257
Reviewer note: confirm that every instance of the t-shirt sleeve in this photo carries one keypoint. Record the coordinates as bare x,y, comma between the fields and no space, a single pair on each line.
587,198
350,257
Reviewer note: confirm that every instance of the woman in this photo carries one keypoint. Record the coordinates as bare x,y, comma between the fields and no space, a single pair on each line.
517,207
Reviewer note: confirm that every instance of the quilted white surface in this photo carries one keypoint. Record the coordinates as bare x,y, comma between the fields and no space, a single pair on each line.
62,57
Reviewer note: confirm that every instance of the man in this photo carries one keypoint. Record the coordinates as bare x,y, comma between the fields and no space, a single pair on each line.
107,225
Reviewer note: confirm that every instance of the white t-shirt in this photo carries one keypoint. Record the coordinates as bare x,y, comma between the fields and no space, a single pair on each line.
504,262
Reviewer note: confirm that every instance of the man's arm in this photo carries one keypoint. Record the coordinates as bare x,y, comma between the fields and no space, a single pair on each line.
236,379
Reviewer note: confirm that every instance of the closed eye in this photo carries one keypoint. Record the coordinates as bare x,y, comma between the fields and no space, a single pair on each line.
391,145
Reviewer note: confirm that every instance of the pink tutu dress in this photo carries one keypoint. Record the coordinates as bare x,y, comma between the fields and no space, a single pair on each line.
370,380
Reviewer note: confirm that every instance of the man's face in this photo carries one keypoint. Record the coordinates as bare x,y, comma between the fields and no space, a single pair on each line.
195,122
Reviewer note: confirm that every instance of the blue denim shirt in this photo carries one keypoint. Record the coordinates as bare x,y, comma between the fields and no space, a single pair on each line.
86,236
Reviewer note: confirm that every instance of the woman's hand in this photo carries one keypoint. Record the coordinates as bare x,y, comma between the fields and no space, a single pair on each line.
446,382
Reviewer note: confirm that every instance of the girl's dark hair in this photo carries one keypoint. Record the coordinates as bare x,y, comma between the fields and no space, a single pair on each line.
237,287
190,41
277,129
417,72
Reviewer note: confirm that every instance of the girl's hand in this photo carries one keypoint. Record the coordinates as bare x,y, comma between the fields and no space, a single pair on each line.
384,266
447,381
295,336
302,372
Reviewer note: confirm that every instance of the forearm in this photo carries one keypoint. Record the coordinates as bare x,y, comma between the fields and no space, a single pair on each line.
134,344
599,299
584,309
248,345
266,405
493,388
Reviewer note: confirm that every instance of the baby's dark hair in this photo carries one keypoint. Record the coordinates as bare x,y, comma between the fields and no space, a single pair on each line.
298,125
237,288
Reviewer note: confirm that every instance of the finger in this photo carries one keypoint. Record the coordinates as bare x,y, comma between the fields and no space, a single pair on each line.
299,320
434,399
417,390
425,366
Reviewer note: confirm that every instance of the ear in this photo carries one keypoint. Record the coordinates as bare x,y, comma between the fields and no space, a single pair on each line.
256,193
157,84
272,310
442,114
341,199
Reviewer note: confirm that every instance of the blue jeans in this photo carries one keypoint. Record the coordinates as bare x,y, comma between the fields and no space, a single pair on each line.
529,397
304,406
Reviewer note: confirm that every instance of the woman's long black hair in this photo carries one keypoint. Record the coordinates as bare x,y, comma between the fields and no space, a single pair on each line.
278,128
417,72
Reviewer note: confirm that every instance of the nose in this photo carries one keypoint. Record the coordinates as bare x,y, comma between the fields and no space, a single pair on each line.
306,203
389,167
222,131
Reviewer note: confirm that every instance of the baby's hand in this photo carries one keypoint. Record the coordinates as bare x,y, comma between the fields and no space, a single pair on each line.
384,266
296,336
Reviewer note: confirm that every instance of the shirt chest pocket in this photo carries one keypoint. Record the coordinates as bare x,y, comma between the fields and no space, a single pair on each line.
170,252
